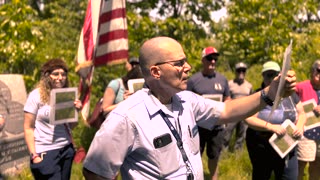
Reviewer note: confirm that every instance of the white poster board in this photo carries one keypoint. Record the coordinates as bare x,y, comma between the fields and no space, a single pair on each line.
284,144
312,120
135,84
62,107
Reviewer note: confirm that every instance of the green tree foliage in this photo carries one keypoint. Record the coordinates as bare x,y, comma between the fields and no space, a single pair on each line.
181,20
184,9
257,31
29,37
19,35
306,50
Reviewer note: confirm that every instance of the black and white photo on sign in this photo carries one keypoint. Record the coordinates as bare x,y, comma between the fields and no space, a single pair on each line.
313,120
284,144
62,107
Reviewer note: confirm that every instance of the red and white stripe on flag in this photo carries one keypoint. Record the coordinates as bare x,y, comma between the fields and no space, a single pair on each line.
85,55
103,40
112,40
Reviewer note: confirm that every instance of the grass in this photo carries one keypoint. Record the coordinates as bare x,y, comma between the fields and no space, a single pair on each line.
235,166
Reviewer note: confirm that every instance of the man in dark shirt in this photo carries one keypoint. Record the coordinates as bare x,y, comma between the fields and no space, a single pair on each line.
214,85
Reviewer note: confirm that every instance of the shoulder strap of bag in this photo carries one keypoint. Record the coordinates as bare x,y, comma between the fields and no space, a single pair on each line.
119,84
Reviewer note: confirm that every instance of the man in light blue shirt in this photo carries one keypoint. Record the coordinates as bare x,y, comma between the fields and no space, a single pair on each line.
153,134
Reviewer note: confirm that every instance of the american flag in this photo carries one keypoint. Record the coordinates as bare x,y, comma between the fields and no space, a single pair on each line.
313,133
113,34
103,40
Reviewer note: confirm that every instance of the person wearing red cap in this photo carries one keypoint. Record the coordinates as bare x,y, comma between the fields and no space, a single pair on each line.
210,82
50,146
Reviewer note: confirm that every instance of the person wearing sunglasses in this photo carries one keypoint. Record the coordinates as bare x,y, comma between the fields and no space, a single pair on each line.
154,133
309,145
239,87
263,157
208,83
50,146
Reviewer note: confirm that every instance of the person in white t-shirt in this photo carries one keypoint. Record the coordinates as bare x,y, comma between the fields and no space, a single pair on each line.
50,146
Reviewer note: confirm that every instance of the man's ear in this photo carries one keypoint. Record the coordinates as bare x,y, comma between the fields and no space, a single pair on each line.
155,72
203,60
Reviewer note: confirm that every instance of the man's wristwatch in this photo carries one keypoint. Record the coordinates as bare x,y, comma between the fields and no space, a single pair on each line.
33,156
265,98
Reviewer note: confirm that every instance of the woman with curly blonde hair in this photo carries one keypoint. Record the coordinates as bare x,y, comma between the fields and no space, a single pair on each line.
50,146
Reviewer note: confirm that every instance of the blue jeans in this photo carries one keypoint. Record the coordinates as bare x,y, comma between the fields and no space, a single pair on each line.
265,159
55,165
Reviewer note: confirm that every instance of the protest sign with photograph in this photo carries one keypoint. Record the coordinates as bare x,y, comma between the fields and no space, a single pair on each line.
284,144
135,84
312,120
62,107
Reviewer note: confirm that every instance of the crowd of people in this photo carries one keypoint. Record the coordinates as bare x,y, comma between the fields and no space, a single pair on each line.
162,130
154,133
263,157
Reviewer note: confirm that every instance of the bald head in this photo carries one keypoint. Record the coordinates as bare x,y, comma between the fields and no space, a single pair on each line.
158,49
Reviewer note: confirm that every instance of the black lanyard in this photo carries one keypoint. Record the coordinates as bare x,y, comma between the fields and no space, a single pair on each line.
179,144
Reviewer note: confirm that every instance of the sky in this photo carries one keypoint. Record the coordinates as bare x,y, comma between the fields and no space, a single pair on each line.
219,14
216,14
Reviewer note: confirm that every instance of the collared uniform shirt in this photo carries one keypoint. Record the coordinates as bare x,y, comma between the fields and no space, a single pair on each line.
126,139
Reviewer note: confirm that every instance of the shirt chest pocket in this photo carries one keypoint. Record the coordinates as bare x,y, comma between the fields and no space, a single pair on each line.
167,154
193,139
